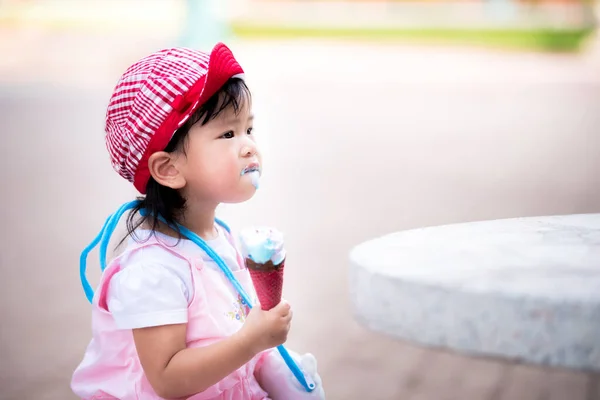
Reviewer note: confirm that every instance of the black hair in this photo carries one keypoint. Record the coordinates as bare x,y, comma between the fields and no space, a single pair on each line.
165,201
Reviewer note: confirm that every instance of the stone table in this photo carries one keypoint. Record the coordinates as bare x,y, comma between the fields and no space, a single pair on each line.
526,289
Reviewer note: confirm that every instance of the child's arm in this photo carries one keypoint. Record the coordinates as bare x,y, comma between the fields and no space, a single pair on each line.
176,371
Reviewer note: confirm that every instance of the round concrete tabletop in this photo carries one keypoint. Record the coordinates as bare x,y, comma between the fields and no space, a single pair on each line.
525,288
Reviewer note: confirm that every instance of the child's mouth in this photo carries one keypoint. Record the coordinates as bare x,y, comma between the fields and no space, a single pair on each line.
251,168
254,171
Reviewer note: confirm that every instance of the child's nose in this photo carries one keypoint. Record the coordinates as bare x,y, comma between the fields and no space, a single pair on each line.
249,148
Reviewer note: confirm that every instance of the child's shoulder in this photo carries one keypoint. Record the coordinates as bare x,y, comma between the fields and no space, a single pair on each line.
154,247
152,259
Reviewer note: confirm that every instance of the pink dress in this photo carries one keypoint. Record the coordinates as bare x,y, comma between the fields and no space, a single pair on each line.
111,368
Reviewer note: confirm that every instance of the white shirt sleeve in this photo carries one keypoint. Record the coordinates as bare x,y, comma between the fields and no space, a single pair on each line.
153,288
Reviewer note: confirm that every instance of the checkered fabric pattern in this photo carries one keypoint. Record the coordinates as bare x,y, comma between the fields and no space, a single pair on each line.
154,97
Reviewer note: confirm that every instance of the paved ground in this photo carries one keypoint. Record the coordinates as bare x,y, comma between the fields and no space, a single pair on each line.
359,140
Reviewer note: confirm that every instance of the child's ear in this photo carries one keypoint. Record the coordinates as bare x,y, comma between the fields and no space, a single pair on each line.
164,170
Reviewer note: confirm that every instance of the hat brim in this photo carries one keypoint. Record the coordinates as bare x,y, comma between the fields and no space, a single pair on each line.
222,66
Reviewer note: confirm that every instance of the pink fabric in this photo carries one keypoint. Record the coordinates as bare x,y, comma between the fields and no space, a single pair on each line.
111,367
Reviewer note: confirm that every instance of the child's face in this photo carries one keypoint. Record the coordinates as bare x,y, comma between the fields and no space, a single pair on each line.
217,154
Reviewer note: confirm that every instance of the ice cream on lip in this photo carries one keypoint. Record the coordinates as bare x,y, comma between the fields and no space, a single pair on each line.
254,171
253,167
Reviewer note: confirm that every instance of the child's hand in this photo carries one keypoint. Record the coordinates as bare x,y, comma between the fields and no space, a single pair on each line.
266,329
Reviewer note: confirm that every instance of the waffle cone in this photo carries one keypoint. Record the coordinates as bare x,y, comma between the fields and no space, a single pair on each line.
268,282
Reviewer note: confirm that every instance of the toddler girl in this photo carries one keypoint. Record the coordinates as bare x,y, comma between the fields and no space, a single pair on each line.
172,315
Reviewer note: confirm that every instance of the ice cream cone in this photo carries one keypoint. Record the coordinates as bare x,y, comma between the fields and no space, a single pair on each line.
268,282
264,254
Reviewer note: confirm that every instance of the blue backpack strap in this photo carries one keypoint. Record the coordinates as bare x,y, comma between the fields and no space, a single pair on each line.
309,386
103,238
223,224
110,229
217,259
211,253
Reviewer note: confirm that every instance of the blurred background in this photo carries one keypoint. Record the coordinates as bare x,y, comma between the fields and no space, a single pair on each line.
374,116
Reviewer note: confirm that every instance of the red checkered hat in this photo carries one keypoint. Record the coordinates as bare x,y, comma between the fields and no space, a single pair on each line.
154,97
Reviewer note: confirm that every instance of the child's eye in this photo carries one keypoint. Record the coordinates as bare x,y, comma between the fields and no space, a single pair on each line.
228,135
249,131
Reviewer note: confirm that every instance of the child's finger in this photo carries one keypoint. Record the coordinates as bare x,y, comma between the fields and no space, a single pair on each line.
283,308
288,318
